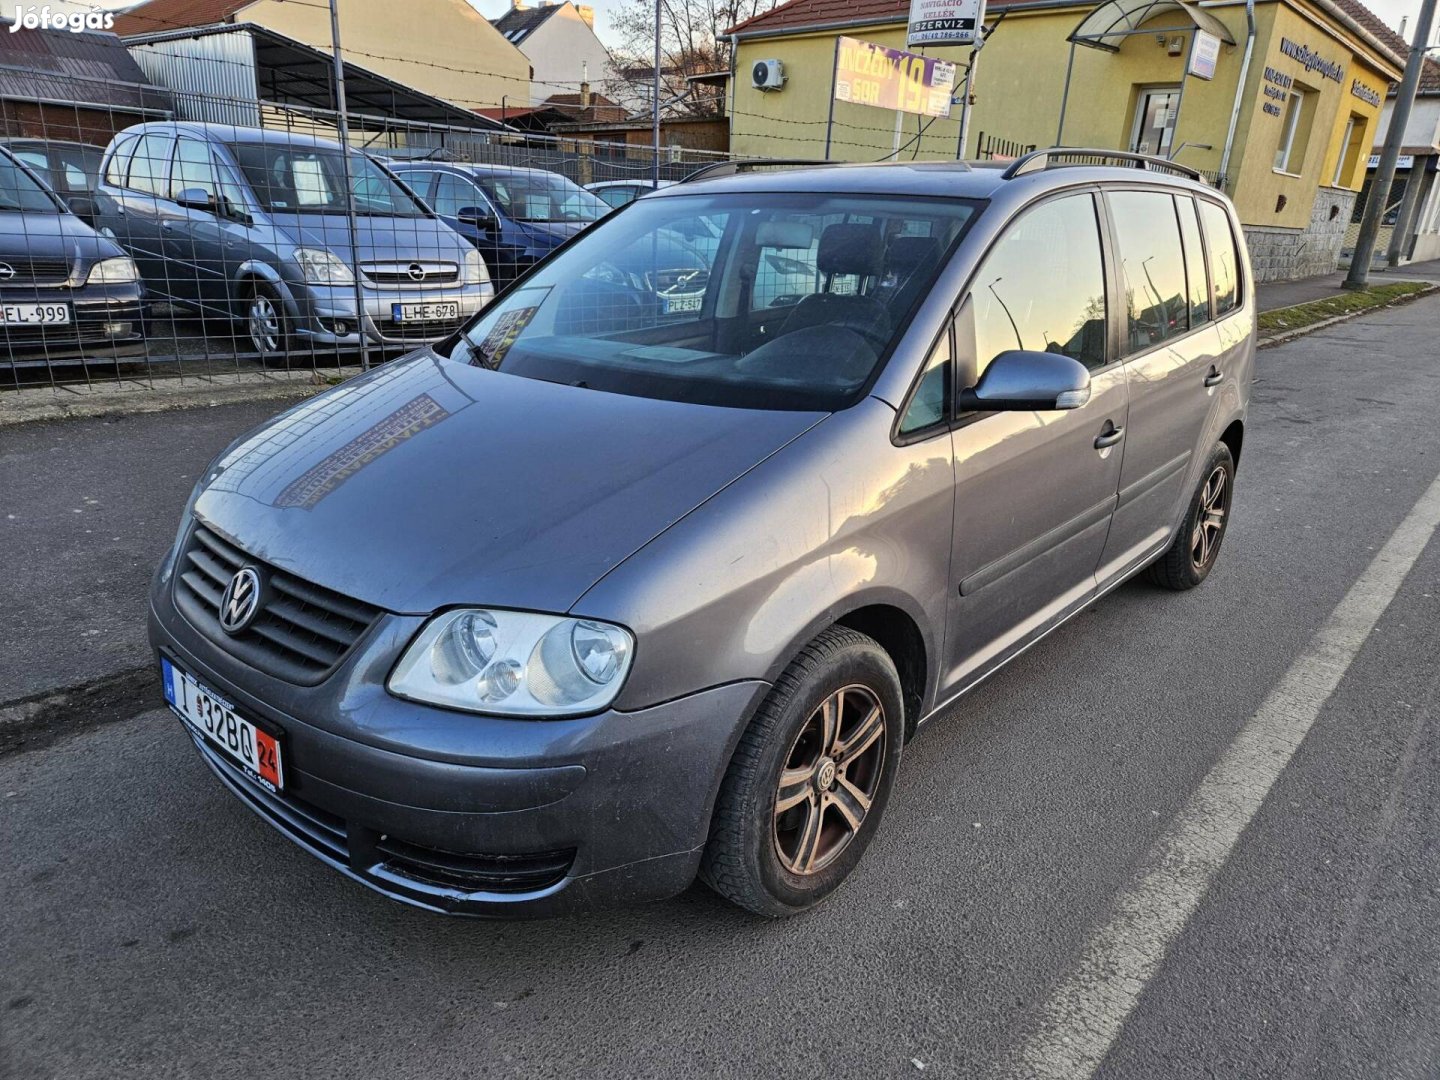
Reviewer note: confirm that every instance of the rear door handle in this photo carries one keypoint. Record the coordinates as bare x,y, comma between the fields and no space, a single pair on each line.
1215,378
1109,437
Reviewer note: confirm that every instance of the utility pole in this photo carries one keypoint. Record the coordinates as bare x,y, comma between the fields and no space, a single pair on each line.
342,125
969,90
656,119
1359,274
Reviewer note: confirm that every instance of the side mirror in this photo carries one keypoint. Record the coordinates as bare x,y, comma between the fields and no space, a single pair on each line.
1022,381
477,216
84,207
197,199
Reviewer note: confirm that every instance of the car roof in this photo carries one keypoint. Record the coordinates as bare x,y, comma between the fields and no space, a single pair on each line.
952,179
230,133
31,141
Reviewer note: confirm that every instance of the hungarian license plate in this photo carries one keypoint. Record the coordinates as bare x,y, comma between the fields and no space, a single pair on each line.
35,314
209,715
432,312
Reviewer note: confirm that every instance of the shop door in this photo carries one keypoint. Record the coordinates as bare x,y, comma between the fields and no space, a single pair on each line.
1155,121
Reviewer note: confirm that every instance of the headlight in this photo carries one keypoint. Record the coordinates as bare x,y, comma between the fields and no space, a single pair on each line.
117,271
320,267
514,663
475,272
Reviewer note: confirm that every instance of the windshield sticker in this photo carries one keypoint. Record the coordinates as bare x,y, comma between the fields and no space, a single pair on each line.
506,331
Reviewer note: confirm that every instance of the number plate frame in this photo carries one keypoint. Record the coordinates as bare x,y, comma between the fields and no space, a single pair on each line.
67,317
255,748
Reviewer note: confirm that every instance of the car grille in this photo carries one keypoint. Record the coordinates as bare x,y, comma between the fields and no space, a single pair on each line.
401,273
301,631
430,330
37,271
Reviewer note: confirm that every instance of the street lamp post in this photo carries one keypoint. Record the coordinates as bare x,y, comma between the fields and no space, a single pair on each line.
1359,275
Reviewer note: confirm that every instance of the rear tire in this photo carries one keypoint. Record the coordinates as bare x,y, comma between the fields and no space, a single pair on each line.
810,779
1192,555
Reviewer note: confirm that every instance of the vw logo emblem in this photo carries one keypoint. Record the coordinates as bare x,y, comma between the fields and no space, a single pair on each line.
6,271
241,601
416,272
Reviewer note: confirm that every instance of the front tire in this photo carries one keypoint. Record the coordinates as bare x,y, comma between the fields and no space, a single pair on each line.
810,779
1192,555
266,327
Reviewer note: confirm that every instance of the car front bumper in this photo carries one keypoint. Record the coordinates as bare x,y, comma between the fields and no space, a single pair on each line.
475,815
107,324
322,309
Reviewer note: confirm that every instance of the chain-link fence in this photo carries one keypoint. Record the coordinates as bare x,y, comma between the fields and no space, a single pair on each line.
199,235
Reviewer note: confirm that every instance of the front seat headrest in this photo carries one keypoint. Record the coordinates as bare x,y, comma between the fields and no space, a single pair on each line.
847,248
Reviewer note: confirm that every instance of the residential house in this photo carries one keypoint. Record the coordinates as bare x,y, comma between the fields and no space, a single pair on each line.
560,41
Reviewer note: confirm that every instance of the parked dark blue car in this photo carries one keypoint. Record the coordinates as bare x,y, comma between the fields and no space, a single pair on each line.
514,216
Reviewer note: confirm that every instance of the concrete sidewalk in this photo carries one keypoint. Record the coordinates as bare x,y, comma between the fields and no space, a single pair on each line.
1278,294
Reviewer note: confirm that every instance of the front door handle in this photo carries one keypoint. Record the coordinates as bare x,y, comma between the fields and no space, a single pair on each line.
1109,436
1215,378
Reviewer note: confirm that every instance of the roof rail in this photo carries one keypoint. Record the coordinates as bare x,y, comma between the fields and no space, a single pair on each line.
1049,158
731,168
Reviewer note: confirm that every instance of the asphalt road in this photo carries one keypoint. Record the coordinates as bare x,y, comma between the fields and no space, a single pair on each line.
151,927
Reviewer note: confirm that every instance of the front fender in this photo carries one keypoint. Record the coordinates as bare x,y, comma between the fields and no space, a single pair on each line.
838,520
255,270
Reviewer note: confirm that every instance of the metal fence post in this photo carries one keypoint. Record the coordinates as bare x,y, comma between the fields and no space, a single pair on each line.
343,128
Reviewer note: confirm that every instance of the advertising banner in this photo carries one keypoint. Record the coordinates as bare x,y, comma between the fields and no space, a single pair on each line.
870,74
945,22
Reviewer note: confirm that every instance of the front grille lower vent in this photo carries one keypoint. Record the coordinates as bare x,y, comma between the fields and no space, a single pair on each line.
301,630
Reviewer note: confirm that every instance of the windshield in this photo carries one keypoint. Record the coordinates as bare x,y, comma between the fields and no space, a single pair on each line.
540,196
311,179
755,300
19,192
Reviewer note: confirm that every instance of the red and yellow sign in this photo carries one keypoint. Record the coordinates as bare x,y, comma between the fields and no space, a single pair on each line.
870,74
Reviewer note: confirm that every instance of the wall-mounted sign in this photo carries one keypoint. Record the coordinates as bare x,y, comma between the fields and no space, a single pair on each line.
1204,54
1364,93
870,74
1310,60
1276,90
945,22
1404,161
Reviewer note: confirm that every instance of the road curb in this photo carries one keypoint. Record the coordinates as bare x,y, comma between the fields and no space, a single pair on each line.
83,402
1283,336
37,721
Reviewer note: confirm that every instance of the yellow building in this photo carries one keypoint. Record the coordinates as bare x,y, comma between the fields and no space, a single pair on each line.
1279,107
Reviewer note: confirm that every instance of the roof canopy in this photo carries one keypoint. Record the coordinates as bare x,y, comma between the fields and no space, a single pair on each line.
1107,26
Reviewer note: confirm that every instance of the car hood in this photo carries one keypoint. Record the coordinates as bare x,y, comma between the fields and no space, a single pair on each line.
431,483
51,236
380,238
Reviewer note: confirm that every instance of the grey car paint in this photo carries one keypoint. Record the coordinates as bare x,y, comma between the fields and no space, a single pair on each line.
723,539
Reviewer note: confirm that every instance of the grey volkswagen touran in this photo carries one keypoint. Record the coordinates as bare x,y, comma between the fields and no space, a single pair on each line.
626,582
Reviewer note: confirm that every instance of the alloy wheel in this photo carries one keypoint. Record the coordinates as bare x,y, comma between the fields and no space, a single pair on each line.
264,322
829,780
1214,505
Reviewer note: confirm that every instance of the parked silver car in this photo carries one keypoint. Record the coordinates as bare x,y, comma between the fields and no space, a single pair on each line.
251,226
604,592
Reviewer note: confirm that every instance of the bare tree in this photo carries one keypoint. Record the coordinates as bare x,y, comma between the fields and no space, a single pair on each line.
691,43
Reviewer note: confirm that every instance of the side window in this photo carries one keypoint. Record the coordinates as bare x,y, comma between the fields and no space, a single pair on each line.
1041,288
1152,266
455,193
194,169
119,164
1198,287
150,165
1224,259
38,162
927,407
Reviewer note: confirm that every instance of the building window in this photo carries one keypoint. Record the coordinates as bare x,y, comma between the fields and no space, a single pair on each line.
1352,146
1294,134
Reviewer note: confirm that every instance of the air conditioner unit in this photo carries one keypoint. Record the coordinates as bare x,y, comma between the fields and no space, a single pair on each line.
768,75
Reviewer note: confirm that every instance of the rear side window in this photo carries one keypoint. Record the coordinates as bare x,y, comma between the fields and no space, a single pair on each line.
119,165
1198,287
150,164
1224,257
1152,266
1041,288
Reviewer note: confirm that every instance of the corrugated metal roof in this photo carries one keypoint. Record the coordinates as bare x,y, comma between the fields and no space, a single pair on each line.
89,68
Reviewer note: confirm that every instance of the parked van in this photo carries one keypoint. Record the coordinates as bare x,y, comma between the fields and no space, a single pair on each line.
251,226
66,293
515,217
650,590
